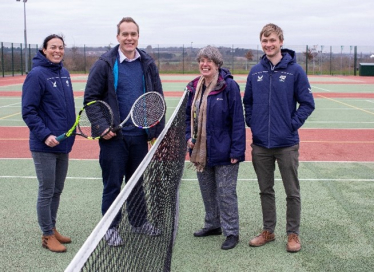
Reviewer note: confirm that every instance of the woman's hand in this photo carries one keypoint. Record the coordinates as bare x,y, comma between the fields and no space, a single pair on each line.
190,144
233,161
51,141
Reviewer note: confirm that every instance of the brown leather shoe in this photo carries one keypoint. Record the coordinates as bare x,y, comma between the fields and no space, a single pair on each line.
62,239
50,242
262,239
293,244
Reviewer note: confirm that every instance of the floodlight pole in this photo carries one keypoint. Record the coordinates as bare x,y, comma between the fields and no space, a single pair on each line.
25,36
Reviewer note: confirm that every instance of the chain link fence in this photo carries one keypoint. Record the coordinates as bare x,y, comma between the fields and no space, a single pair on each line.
315,59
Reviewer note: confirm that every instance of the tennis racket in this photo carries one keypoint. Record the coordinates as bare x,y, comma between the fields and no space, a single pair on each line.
146,112
94,121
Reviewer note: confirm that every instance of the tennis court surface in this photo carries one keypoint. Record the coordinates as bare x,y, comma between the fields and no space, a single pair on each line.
336,175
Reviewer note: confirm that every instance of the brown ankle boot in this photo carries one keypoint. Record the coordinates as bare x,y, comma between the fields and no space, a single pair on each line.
294,244
50,242
60,238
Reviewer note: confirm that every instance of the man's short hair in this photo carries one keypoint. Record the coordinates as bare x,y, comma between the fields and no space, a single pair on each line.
268,29
127,20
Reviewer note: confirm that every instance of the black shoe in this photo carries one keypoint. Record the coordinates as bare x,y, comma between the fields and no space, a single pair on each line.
230,242
207,232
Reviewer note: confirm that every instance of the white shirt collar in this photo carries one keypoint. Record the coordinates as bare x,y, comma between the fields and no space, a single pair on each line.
122,57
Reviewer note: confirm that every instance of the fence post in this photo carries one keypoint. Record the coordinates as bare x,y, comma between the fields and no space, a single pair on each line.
355,60
306,59
158,57
2,59
29,60
232,59
84,57
21,60
12,60
330,60
183,60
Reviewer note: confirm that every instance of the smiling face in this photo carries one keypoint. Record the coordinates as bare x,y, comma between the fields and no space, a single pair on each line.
208,68
54,50
128,38
271,45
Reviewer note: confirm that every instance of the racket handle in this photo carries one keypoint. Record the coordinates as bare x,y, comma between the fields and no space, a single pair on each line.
61,137
117,128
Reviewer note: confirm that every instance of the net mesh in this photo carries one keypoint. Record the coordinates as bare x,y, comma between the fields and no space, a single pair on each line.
147,208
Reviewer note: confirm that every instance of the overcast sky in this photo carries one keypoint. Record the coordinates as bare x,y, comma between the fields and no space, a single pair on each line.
191,22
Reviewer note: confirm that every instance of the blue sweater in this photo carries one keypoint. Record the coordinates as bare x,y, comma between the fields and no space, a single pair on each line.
129,88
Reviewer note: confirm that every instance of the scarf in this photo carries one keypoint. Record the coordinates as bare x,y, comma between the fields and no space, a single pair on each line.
198,122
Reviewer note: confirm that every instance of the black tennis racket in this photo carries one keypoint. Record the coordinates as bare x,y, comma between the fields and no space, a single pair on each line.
146,112
94,121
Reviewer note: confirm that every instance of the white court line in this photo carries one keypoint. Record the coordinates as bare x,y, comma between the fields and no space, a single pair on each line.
277,179
314,87
34,177
305,179
11,105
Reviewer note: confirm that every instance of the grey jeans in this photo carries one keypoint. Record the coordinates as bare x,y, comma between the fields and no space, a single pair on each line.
218,190
263,160
51,170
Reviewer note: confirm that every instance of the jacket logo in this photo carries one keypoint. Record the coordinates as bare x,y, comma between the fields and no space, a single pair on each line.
282,78
54,84
67,83
219,98
259,78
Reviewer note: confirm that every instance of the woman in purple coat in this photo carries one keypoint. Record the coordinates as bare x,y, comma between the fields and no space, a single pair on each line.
215,135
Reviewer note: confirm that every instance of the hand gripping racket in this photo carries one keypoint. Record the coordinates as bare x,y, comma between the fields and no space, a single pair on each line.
146,112
94,121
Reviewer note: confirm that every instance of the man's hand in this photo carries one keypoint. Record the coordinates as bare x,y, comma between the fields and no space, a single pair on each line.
110,134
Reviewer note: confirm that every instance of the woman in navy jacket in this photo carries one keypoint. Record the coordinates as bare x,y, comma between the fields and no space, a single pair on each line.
48,110
215,135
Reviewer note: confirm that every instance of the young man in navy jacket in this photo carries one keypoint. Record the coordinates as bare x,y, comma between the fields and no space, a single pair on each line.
277,101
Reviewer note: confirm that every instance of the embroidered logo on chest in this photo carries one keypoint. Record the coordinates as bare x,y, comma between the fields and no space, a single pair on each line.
260,78
282,78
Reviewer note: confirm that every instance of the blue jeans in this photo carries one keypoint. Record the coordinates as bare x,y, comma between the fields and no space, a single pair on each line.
51,170
263,160
119,159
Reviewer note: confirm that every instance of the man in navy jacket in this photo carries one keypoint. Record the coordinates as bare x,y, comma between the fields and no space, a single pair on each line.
277,101
119,77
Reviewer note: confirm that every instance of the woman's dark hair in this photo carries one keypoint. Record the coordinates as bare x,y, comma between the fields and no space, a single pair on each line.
50,37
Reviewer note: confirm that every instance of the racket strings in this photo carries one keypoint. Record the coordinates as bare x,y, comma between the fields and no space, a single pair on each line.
96,120
148,110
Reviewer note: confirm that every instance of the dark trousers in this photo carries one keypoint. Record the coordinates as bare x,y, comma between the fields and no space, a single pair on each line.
118,160
51,170
263,160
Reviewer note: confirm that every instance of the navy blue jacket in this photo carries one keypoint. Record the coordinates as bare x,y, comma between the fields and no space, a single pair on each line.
225,120
102,83
48,104
277,101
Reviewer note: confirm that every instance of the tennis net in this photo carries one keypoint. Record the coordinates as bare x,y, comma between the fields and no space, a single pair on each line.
147,208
